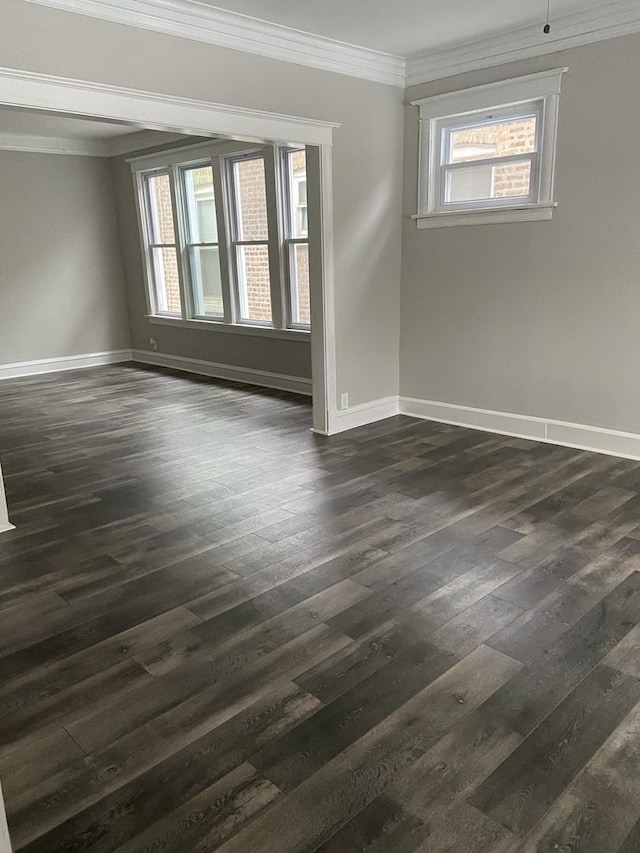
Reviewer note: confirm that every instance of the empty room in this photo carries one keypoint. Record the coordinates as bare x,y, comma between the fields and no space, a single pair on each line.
319,426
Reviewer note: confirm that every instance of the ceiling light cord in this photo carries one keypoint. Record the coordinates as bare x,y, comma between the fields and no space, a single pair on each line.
547,27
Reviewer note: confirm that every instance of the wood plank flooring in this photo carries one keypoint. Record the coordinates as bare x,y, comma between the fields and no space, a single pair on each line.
221,632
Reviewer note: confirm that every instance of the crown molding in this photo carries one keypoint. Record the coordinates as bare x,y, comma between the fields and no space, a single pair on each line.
201,22
53,145
140,142
84,147
604,22
198,21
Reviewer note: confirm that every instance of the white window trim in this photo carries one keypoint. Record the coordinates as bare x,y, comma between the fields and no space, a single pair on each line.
287,184
544,87
233,328
236,242
189,215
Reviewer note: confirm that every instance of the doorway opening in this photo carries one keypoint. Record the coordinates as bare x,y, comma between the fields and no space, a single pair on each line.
297,252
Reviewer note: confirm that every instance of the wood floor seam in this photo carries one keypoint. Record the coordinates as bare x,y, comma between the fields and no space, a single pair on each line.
67,732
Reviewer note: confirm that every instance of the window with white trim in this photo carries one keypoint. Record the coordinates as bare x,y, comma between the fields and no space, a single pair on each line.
224,230
487,154
250,238
162,244
202,246
296,225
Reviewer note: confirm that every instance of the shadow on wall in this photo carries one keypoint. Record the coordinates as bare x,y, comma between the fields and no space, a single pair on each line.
370,227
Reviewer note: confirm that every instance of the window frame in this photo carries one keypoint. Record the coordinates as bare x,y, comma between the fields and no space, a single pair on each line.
149,243
514,98
289,241
446,126
189,245
237,243
220,156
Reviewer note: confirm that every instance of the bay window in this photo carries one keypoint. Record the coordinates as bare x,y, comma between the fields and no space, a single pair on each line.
225,229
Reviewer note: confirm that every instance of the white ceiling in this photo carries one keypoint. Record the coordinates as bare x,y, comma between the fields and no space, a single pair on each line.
404,27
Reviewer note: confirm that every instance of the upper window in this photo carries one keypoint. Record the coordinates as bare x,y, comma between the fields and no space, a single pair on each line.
487,154
226,236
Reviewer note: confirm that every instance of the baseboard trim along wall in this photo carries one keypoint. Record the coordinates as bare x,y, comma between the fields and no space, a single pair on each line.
248,375
580,436
67,362
362,414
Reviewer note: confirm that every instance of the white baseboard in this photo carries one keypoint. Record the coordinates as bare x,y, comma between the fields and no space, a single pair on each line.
67,362
580,436
246,375
363,414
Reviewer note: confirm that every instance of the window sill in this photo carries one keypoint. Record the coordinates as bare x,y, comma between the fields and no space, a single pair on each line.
486,216
234,329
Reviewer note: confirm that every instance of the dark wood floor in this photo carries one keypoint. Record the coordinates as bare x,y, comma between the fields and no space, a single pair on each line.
221,632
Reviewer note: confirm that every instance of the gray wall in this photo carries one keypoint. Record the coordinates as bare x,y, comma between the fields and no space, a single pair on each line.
291,358
539,318
367,152
60,271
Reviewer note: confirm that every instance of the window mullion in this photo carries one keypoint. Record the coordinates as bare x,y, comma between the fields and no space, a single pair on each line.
179,226
490,161
275,243
287,219
224,215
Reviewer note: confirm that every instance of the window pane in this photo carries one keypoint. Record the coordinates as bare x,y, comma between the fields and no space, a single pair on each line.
251,199
493,139
206,280
254,282
512,179
469,184
166,281
298,216
299,265
489,182
200,205
160,209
